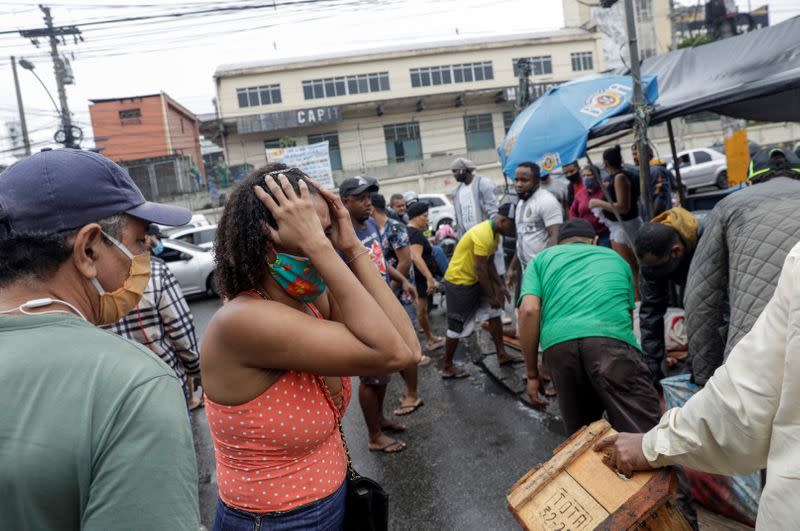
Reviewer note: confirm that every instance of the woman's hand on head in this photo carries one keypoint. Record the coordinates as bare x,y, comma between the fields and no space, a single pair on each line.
298,222
342,235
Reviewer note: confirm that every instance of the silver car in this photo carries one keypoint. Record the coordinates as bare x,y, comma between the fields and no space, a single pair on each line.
441,209
202,237
703,167
192,266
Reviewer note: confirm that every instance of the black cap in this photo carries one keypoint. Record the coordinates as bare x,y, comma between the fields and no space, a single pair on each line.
576,228
64,189
417,209
358,185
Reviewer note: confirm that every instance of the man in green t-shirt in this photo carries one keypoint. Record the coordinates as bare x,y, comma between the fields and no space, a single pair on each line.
94,433
473,289
577,299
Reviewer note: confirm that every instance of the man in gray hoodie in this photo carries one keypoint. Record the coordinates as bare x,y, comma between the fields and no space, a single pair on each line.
474,201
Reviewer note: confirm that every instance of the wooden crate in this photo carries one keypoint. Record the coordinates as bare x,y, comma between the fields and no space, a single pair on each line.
576,490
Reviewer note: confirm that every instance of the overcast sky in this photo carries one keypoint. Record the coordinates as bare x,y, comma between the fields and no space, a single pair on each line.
179,55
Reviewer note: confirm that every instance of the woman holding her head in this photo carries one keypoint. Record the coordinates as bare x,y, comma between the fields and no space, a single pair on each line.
306,309
624,192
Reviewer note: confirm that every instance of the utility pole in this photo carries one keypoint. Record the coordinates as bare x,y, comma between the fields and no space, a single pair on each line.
69,135
23,123
525,69
640,113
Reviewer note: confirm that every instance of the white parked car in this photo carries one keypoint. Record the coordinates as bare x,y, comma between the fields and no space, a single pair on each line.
703,167
202,236
441,209
198,220
192,266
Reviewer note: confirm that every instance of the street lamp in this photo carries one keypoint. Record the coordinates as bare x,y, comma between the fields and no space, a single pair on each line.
27,65
76,134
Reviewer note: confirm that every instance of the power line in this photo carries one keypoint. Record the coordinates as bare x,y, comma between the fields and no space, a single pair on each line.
269,5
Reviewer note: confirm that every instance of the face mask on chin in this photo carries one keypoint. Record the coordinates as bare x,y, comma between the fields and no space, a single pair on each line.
116,304
526,194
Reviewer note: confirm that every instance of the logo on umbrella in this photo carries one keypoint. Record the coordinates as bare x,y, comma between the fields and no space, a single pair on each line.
605,100
550,162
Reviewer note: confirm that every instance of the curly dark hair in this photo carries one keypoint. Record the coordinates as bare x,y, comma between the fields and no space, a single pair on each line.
241,241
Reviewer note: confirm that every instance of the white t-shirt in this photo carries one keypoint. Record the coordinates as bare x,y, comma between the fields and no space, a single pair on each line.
539,211
469,211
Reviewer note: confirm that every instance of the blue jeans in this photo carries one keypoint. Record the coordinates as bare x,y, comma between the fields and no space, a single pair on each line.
441,258
326,514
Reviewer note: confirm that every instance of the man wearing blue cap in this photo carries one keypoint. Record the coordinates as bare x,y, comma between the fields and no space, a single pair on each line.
98,435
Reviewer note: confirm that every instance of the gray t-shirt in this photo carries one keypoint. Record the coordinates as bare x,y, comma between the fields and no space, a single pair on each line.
539,211
94,432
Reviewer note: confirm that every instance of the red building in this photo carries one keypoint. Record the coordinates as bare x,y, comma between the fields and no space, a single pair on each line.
145,127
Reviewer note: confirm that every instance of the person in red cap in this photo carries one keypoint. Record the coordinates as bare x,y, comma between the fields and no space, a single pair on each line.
98,436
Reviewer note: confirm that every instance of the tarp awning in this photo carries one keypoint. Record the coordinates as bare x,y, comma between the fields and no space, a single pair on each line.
754,76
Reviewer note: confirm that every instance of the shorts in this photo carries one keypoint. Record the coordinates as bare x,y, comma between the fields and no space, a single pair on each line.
465,305
625,233
382,379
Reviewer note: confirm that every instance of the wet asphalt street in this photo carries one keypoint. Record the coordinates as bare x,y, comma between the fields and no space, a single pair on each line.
467,445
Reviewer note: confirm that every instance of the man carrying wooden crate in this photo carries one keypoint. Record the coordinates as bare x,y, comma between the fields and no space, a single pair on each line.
577,299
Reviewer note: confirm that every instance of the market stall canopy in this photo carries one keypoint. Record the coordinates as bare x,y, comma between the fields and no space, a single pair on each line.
754,76
553,131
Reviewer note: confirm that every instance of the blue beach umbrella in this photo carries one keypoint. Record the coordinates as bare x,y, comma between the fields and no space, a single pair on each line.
553,131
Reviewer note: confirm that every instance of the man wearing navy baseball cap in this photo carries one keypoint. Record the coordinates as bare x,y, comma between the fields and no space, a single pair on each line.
98,435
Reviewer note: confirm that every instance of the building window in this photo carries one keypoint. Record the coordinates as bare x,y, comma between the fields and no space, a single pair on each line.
130,116
644,10
272,143
332,87
541,65
508,119
402,142
479,131
448,74
333,147
581,61
255,96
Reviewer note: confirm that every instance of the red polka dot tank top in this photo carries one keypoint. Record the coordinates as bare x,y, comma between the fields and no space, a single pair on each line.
281,450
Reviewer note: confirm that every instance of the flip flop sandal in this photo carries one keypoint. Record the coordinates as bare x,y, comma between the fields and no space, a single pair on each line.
393,428
407,409
424,361
386,449
455,375
436,345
